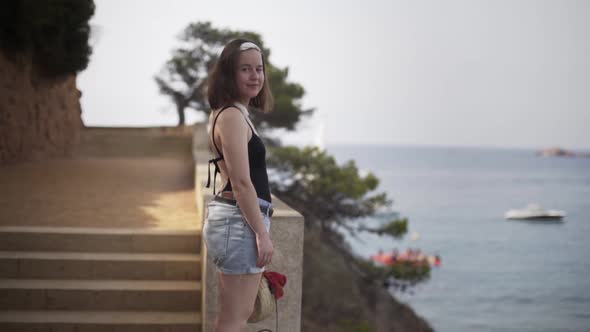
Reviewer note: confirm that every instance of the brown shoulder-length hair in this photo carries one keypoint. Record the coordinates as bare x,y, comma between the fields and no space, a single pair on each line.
222,89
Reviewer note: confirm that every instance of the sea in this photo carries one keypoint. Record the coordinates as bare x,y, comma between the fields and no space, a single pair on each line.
496,274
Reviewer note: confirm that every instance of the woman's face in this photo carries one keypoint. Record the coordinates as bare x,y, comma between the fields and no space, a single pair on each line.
250,75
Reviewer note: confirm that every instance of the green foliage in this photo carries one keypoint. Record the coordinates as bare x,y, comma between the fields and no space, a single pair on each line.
184,77
414,271
54,32
288,110
373,271
330,192
411,271
396,228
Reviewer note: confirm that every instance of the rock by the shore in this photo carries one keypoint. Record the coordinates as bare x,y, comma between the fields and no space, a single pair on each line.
560,152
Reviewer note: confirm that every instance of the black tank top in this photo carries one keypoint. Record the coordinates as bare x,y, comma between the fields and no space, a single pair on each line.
256,160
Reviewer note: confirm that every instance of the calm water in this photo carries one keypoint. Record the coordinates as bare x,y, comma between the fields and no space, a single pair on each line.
496,275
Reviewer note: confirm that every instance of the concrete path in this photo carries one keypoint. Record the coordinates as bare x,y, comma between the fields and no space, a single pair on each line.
100,192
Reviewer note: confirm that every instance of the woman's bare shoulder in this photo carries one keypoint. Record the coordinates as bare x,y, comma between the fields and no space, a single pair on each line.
226,110
231,118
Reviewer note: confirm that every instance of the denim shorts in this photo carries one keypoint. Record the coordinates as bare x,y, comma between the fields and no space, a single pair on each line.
230,240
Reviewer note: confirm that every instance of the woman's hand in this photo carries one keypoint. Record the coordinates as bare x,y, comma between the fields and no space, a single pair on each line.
265,249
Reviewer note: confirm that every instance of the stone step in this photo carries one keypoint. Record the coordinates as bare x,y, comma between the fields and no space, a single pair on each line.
76,265
136,295
86,239
99,321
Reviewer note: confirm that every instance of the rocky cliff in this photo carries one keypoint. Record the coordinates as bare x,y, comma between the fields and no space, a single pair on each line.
337,299
39,118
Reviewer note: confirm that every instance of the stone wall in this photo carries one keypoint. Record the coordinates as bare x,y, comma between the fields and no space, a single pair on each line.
135,142
39,118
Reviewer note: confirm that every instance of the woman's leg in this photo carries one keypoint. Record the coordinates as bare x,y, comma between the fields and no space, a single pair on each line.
237,294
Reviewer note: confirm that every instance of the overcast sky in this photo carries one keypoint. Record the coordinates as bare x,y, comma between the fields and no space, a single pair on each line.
461,73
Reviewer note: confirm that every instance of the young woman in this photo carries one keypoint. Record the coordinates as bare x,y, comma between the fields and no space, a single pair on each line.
237,225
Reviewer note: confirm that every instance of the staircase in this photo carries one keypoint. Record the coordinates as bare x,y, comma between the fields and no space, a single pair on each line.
55,279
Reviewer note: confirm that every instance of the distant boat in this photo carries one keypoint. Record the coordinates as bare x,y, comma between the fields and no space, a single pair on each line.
534,211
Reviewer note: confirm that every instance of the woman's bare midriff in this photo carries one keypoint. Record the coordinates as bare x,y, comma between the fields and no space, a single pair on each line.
227,194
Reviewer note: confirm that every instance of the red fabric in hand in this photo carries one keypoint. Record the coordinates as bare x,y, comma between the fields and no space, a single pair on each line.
277,281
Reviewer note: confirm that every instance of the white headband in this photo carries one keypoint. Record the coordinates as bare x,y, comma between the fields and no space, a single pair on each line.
249,45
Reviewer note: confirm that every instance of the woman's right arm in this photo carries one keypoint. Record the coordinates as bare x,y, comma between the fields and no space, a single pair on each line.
234,138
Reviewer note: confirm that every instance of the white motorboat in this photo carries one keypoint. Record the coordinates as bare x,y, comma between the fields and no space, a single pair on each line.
534,211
